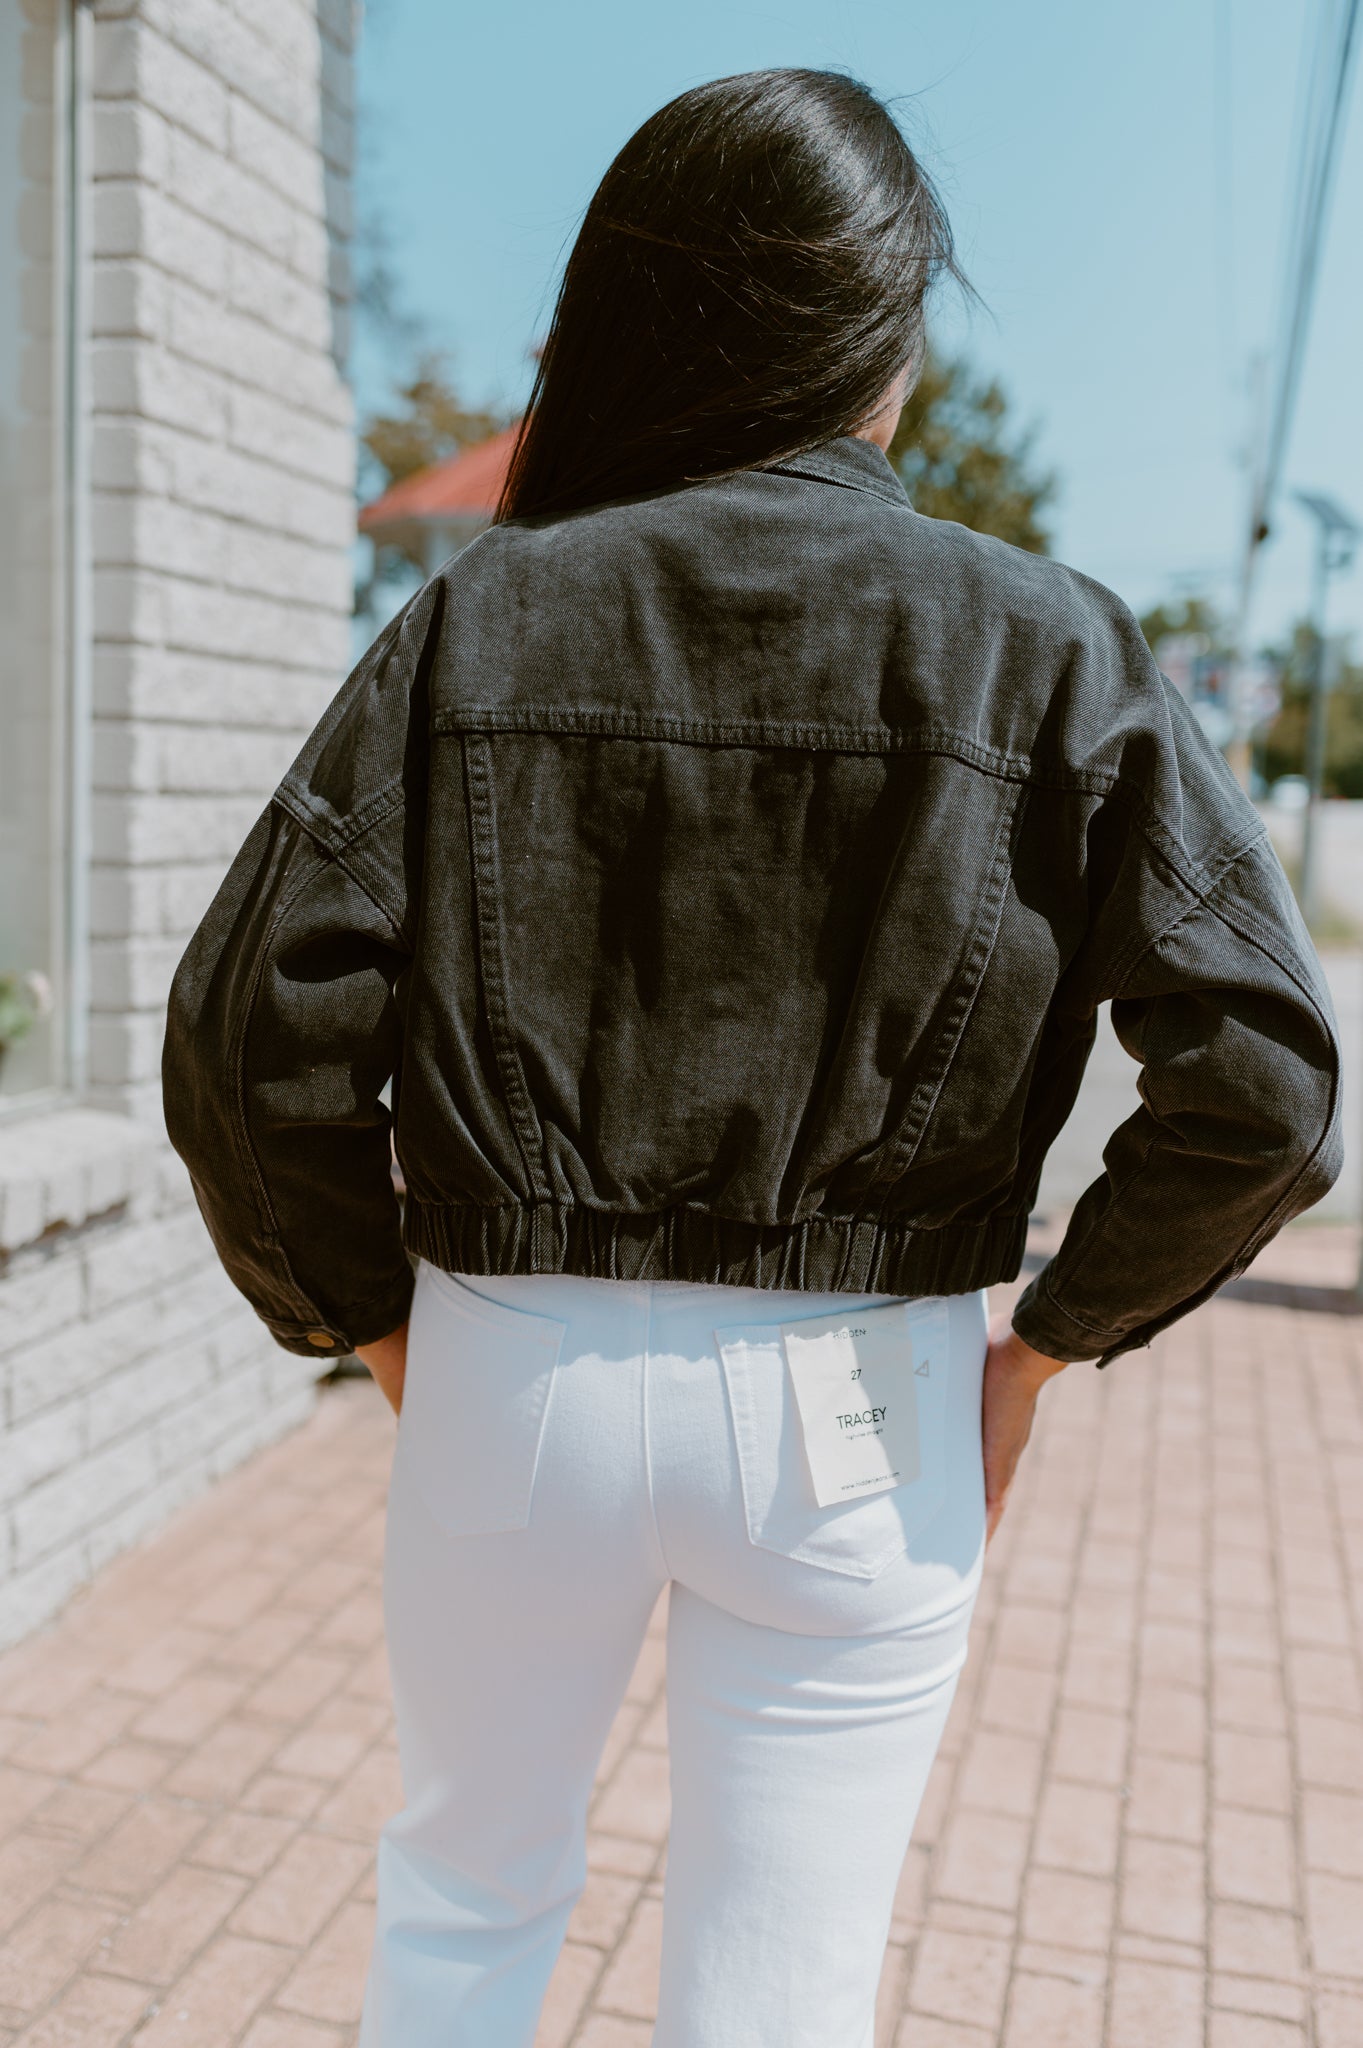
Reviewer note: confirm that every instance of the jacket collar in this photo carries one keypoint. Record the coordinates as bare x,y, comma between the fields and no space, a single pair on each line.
855,464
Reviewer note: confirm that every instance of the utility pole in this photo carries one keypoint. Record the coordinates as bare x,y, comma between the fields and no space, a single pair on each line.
1337,536
1335,41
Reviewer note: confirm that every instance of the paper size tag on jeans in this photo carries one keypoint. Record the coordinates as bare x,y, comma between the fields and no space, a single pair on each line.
854,1383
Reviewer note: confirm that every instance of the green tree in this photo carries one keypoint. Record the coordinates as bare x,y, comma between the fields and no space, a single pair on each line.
1192,615
1280,746
429,422
1283,744
960,460
953,447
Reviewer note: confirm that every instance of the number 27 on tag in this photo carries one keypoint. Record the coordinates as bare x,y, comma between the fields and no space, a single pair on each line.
854,1386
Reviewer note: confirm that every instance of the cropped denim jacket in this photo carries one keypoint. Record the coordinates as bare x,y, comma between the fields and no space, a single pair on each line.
727,882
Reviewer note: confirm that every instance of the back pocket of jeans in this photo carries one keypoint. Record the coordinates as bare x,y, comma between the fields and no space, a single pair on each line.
858,1538
474,1405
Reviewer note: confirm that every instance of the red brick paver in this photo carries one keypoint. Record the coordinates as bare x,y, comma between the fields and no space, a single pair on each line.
1145,1829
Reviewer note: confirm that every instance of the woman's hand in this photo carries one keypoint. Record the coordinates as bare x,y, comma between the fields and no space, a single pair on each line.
387,1360
1014,1375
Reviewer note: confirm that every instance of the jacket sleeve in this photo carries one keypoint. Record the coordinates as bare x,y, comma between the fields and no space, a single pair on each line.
1226,1008
284,1018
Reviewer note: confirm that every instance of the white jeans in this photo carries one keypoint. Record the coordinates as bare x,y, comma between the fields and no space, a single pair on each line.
567,1446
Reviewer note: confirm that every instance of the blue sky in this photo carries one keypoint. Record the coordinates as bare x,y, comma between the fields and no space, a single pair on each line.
1117,192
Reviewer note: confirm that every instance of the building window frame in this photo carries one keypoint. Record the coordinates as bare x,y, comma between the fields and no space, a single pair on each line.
67,870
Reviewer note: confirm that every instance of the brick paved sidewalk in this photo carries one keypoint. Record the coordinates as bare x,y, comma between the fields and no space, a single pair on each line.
1145,1829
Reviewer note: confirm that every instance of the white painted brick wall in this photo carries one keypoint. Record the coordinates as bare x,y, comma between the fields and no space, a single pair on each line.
221,458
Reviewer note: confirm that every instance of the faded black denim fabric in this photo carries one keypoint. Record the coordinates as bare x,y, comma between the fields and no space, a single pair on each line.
728,880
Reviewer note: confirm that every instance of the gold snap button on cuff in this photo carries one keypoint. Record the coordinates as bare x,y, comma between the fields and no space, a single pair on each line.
320,1337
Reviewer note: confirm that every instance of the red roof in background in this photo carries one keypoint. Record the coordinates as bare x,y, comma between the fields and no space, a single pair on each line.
463,486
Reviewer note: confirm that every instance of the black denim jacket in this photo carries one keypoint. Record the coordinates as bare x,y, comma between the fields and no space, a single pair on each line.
728,880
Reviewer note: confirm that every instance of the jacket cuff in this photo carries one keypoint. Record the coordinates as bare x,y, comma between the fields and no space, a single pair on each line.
1041,1322
363,1324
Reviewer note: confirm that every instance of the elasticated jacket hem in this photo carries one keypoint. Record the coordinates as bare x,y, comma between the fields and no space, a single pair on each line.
822,1253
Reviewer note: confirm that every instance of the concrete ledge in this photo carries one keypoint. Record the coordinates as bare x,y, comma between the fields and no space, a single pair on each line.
60,1167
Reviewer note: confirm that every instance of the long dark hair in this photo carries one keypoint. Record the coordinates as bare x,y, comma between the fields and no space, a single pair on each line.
748,281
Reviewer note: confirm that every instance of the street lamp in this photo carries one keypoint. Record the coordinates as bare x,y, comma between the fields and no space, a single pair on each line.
1337,536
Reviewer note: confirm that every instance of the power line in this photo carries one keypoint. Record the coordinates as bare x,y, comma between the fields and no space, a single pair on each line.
1319,132
1324,133
1319,135
1224,168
